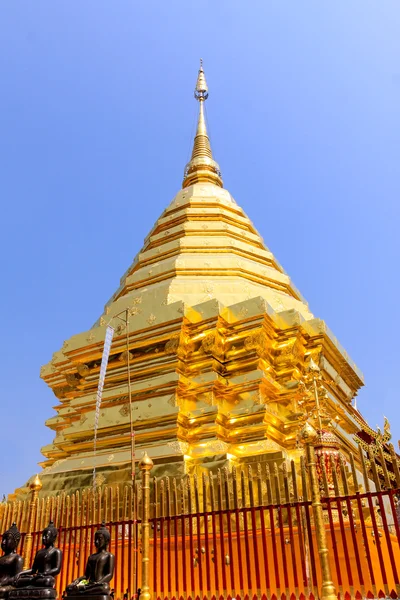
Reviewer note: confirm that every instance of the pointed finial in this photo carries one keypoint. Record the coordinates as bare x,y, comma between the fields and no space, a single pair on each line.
313,366
201,89
36,484
145,463
202,166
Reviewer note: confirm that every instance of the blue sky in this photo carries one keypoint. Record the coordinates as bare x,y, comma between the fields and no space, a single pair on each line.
96,124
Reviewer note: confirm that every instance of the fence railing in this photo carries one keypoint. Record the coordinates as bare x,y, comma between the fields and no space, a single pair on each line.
246,532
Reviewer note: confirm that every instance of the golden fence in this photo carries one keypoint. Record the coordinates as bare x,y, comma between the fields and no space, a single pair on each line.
252,532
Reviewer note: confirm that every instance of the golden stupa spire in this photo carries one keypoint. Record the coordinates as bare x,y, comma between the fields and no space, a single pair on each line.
202,166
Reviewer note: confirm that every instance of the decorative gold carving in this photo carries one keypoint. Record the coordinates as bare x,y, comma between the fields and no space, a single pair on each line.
172,400
72,379
185,347
83,370
124,410
102,321
171,347
208,398
152,319
256,341
100,479
123,357
110,457
134,311
60,391
207,343
289,351
90,337
179,447
83,418
217,446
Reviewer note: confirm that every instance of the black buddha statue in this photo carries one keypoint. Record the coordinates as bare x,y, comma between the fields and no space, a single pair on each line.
98,573
11,563
39,581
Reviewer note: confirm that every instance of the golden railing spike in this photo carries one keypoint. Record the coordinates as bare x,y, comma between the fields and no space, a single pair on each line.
204,487
227,491
375,475
344,476
183,502
175,497
285,482
196,493
212,493
99,504
294,480
364,468
250,485
353,473
117,503
243,489
259,485
334,476
125,505
190,494
235,488
384,467
155,496
304,488
269,486
277,485
167,497
395,465
324,478
162,498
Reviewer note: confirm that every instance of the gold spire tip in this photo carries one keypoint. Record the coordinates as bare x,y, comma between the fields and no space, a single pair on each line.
202,166
201,89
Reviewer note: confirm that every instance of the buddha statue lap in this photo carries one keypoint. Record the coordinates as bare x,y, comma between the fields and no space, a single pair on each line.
39,581
98,573
11,563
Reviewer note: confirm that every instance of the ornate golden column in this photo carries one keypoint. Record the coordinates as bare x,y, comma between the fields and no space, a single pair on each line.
145,465
35,488
308,437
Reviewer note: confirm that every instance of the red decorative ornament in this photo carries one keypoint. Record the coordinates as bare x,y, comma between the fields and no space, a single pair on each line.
326,447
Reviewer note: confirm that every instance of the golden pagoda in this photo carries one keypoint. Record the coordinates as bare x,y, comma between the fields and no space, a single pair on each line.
211,344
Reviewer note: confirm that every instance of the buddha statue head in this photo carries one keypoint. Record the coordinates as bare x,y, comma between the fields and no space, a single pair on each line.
102,537
10,539
49,535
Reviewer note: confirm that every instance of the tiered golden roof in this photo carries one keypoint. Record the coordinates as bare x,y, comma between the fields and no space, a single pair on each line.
218,339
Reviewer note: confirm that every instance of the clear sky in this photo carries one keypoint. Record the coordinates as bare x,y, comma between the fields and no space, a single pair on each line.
96,124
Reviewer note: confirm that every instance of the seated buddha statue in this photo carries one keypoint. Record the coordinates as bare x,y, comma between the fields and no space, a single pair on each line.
39,580
99,569
11,563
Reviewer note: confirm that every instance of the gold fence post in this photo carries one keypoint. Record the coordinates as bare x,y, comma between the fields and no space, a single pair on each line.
328,591
35,488
145,465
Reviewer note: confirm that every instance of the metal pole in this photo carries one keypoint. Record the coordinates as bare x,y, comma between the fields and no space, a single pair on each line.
145,466
328,591
35,488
